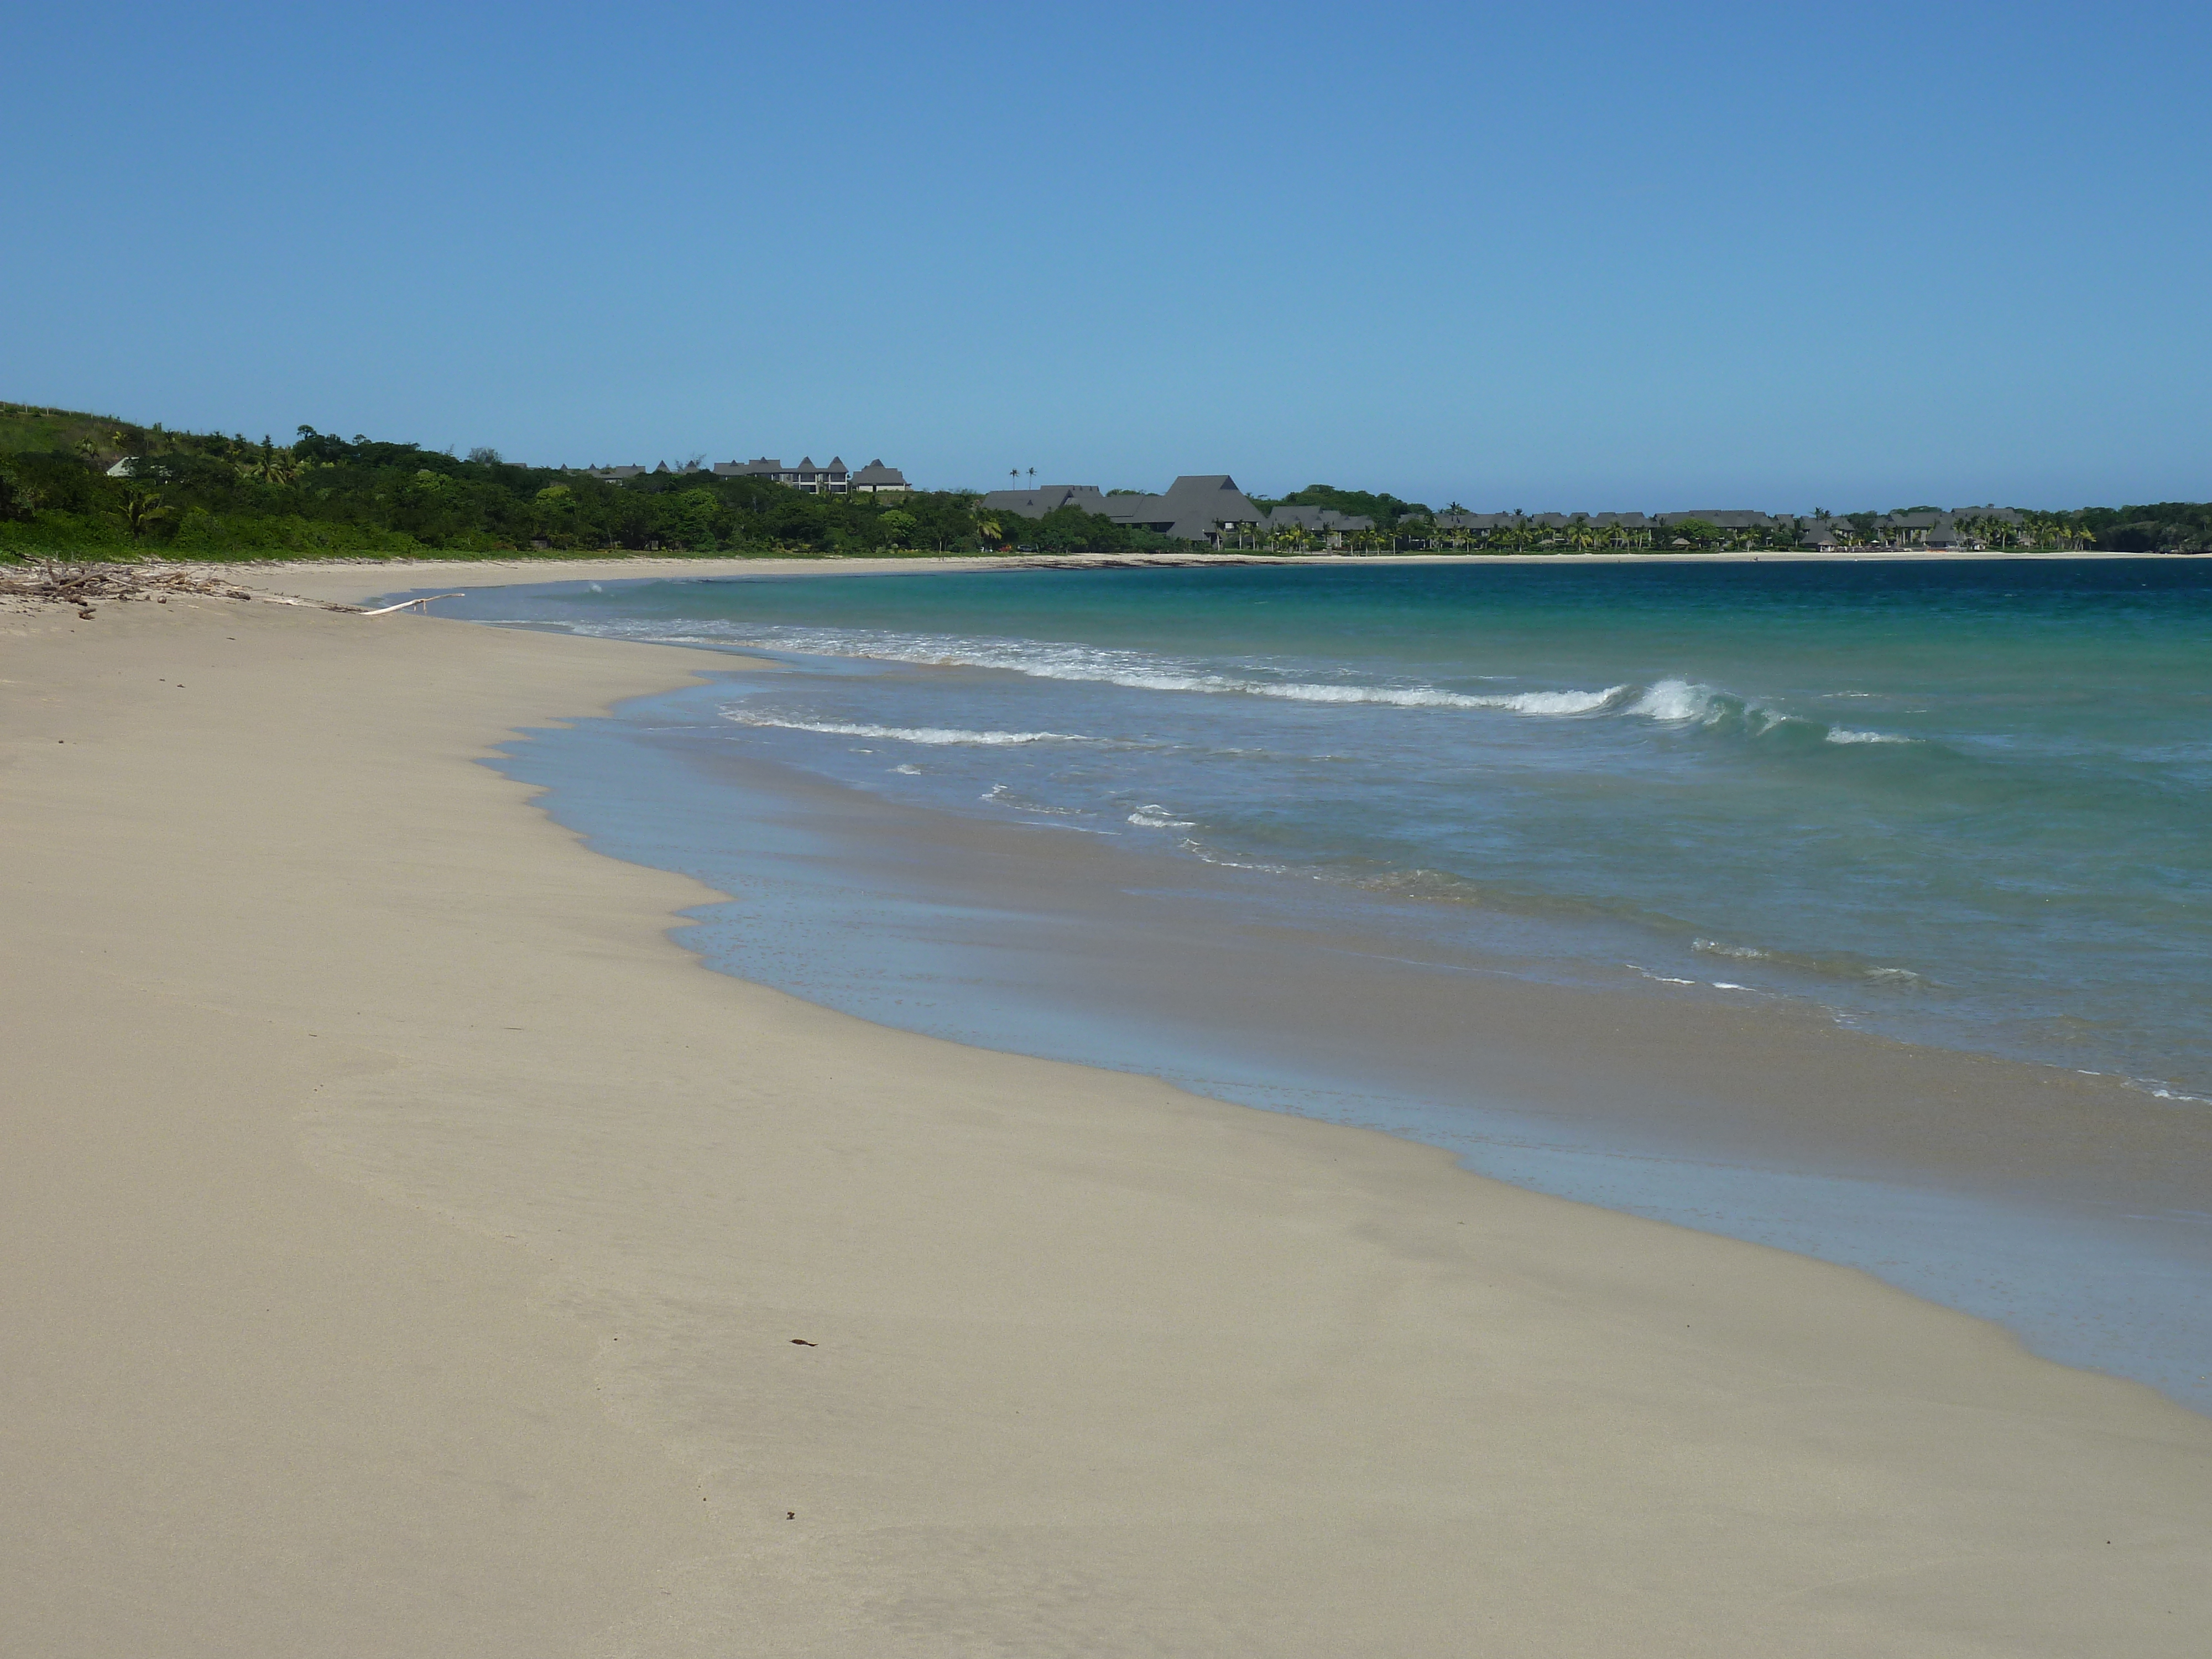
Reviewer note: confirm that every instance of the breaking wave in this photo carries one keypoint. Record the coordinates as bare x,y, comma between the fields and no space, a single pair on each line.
1523,702
1670,701
1141,672
1155,818
937,735
1845,734
1687,703
1832,967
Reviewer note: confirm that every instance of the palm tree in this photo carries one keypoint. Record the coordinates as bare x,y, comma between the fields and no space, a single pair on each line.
273,466
141,512
988,530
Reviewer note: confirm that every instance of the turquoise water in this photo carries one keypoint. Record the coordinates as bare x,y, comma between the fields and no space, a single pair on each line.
1257,831
1966,801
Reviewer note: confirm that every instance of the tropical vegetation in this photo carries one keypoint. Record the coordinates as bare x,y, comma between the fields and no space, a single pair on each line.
85,485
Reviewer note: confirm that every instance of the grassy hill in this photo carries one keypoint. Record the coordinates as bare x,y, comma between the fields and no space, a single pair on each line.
205,495
27,430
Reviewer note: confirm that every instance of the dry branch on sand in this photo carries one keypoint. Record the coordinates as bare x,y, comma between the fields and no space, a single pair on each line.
85,586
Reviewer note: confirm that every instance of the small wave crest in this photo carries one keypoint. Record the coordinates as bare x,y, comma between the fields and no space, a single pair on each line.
1845,734
934,735
1155,818
1000,794
2160,1090
1713,947
1523,702
1673,701
1141,672
1679,700
1687,703
1842,968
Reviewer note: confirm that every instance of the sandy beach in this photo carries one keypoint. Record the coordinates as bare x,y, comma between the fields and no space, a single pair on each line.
348,580
409,1249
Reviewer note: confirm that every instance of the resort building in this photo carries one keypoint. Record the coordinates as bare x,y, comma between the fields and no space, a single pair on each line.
1199,507
806,477
834,479
1040,498
1325,524
877,479
1723,518
1962,526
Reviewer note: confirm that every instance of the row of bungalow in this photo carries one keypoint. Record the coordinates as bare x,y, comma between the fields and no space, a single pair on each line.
1963,527
1209,508
1205,506
1636,523
835,479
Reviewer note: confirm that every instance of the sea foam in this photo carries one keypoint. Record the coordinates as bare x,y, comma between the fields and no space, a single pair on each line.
938,735
1139,671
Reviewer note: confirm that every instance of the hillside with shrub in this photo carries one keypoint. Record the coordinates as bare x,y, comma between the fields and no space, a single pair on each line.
78,484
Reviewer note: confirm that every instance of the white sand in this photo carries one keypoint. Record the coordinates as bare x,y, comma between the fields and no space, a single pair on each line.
404,1244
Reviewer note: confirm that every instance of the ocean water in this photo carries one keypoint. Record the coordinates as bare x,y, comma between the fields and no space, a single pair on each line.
1960,805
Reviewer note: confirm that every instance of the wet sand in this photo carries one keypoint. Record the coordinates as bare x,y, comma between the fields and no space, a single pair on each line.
408,1249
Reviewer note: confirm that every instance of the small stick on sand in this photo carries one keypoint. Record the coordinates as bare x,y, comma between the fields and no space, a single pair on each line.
386,610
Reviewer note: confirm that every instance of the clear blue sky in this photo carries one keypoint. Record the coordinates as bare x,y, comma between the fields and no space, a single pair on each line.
1603,256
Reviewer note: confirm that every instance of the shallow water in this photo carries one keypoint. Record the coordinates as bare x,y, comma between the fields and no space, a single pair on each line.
1954,803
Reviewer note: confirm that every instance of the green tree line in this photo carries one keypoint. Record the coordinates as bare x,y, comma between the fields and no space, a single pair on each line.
75,483
208,495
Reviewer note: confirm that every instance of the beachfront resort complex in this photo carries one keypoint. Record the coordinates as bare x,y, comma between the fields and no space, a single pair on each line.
834,478
1209,507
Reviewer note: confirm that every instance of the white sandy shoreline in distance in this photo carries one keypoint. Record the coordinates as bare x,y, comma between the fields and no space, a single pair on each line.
409,1250
347,579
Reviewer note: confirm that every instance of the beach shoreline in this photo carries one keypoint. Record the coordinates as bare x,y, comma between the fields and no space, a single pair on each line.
2057,1202
408,1223
339,579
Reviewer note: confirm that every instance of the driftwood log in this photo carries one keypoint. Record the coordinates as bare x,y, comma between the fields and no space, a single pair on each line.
84,587
386,610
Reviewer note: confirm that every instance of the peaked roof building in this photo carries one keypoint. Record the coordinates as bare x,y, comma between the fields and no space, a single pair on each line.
877,479
1321,520
1721,518
831,480
1202,507
1040,498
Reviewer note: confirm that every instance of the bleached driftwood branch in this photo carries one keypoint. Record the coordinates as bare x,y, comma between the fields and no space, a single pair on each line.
386,610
